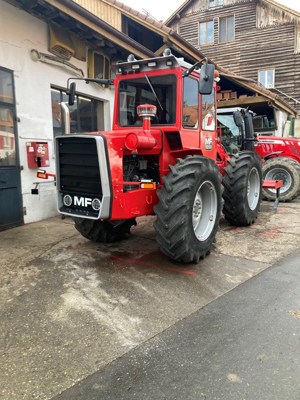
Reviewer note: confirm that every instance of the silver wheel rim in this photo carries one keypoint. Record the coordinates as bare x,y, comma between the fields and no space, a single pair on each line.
253,189
280,174
205,210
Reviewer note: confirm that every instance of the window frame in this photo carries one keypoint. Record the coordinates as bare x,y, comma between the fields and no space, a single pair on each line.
217,3
207,43
106,65
266,71
219,33
184,116
210,111
127,102
78,96
9,105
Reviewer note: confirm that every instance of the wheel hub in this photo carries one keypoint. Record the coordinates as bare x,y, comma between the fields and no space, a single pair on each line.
253,189
280,174
204,210
197,208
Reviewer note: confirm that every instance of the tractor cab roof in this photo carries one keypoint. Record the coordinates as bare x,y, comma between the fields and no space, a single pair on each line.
167,61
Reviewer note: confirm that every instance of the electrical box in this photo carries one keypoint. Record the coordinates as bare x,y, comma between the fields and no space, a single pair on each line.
37,154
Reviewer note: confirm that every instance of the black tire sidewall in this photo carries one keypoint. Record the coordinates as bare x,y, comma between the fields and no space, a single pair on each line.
236,204
292,169
174,223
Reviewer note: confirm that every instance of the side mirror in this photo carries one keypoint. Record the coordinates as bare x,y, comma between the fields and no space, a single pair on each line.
238,119
207,75
71,93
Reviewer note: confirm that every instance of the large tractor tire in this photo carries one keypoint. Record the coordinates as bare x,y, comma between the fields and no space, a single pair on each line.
103,231
189,209
242,188
287,170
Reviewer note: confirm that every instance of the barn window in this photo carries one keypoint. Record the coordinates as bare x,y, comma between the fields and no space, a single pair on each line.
206,32
226,28
215,3
267,78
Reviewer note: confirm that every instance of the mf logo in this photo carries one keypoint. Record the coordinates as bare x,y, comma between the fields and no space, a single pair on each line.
82,201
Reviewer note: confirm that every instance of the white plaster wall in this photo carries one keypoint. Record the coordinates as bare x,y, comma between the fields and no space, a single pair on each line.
281,117
19,34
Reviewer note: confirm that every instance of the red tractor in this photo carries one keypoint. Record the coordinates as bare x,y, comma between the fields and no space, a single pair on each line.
280,155
162,157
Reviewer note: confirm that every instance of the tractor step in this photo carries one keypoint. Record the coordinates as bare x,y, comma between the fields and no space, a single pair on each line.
274,184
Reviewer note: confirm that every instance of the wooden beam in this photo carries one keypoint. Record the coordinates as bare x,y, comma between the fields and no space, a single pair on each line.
243,101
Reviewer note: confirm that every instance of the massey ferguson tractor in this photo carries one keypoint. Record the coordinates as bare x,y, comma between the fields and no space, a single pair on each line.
162,157
280,155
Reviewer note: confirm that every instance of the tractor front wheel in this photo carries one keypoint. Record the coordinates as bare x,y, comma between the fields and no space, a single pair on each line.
287,170
103,231
242,188
189,209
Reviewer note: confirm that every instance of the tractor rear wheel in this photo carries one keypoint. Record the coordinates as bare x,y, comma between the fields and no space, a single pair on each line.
281,168
103,231
242,188
189,209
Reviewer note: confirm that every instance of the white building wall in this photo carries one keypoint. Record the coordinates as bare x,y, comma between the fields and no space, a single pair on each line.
19,34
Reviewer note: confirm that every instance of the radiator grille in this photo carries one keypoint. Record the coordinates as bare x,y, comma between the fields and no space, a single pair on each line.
79,171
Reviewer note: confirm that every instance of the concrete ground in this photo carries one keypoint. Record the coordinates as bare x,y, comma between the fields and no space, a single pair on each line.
224,351
69,307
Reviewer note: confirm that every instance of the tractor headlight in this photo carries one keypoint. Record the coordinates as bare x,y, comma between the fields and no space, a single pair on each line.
96,204
67,200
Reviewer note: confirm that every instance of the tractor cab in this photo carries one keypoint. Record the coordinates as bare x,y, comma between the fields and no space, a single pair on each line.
174,87
235,129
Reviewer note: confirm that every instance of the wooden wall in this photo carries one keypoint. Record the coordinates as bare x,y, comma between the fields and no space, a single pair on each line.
271,46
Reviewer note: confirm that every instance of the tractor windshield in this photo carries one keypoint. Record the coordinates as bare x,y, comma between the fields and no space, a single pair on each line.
157,90
231,134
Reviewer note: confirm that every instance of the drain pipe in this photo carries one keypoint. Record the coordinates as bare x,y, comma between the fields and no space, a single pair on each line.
66,116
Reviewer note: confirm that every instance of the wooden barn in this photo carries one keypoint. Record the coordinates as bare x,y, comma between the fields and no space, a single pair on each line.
257,39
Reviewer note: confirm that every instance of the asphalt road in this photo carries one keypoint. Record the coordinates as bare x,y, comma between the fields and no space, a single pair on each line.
244,345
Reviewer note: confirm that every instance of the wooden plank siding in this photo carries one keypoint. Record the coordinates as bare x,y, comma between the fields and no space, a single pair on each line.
254,49
106,12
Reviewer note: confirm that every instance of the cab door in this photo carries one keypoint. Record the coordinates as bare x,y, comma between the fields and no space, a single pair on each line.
10,183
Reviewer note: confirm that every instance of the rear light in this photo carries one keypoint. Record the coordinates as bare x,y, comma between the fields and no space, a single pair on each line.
42,174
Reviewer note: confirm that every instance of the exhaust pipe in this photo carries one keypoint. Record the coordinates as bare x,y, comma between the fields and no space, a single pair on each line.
66,116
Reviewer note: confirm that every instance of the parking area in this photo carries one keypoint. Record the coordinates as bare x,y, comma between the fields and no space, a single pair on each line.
70,307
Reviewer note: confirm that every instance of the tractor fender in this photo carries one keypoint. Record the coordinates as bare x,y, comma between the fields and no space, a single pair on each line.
272,155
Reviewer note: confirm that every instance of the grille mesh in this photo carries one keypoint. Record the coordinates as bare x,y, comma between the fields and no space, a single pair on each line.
79,166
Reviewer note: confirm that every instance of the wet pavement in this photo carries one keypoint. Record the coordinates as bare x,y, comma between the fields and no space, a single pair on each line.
70,307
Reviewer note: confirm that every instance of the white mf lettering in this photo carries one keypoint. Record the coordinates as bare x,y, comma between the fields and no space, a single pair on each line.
82,201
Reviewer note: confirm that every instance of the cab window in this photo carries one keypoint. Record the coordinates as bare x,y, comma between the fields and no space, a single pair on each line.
208,112
157,90
190,108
